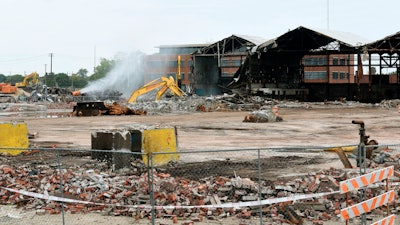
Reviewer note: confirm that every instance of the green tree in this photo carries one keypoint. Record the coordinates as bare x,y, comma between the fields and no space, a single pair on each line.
3,78
14,79
78,81
50,80
63,80
102,69
82,73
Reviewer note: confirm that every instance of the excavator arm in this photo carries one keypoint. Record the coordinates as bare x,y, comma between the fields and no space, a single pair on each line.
24,83
162,83
144,90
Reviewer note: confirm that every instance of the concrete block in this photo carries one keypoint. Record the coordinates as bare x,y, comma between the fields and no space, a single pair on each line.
118,142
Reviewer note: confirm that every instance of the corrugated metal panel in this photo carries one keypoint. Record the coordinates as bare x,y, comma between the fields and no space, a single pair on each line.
253,39
346,38
342,36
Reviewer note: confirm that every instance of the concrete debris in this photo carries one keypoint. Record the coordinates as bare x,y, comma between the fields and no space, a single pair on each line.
115,192
62,104
260,107
387,104
262,116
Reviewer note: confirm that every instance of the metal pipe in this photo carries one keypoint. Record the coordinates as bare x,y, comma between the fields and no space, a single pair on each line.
358,122
362,161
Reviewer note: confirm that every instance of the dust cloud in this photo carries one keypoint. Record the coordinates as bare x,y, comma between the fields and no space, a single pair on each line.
125,77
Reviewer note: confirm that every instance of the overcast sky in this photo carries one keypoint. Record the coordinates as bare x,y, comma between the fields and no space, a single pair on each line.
81,32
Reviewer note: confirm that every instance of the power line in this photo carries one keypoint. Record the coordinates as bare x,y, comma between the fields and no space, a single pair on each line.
21,59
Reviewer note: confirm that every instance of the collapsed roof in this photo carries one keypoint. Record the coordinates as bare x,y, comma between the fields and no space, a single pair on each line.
279,61
232,44
305,40
389,44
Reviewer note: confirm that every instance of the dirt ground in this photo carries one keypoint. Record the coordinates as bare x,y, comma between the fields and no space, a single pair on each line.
322,126
313,127
330,126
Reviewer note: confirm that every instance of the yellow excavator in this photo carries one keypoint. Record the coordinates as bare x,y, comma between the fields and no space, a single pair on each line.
163,84
100,108
31,79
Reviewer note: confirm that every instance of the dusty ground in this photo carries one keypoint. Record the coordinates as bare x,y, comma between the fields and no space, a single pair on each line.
315,126
318,126
225,130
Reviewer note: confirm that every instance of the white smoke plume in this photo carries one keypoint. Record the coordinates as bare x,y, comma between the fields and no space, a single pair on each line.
126,76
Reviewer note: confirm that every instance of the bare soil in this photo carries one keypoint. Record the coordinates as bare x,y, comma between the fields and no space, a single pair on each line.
329,126
316,127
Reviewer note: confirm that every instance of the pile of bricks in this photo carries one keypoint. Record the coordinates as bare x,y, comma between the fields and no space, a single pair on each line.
120,193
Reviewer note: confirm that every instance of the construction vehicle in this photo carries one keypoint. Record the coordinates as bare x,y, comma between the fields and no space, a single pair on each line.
7,88
29,80
163,84
96,108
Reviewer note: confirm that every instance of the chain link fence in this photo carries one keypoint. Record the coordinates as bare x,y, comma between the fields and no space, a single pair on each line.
240,186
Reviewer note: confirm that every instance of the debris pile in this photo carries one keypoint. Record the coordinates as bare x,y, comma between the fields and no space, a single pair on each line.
262,116
223,103
220,103
117,194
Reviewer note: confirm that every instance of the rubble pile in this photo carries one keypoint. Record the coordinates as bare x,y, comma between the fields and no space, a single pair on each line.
262,116
387,104
192,103
119,193
236,103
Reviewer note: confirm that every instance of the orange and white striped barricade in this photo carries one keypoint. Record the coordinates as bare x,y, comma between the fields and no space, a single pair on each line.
386,221
366,179
367,206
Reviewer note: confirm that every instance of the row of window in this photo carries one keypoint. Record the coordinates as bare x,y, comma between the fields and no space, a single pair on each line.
313,61
321,75
163,64
178,50
226,63
155,76
322,61
225,74
340,75
174,63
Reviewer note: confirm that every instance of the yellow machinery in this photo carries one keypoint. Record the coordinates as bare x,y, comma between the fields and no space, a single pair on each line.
163,84
33,77
178,71
13,138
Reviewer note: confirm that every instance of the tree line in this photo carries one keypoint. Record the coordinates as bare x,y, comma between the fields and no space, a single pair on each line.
62,80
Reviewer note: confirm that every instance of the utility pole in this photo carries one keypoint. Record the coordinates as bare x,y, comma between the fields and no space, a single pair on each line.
94,60
51,63
45,73
327,13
